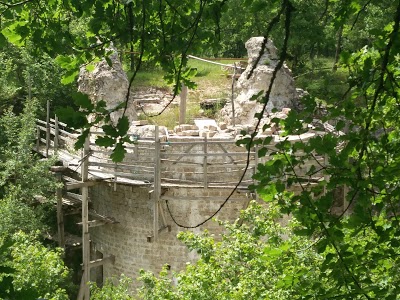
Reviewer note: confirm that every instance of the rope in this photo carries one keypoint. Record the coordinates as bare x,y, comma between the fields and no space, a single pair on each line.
215,63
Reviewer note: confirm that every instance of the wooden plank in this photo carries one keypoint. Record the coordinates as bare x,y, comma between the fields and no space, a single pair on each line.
120,165
181,155
74,196
225,151
157,183
56,134
111,174
201,198
48,128
85,219
205,163
200,186
70,179
102,261
182,105
60,215
37,139
78,185
73,135
40,121
95,223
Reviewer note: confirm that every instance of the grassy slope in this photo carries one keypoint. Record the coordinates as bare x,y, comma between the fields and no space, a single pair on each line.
211,80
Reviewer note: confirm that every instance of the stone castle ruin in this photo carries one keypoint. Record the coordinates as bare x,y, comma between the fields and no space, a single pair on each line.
168,177
110,83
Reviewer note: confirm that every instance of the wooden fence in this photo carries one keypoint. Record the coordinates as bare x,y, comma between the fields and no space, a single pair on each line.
196,162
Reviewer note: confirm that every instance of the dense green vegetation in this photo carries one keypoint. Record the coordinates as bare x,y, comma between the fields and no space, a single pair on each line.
28,269
346,53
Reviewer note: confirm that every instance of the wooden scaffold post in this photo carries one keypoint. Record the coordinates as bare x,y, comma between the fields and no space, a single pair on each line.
84,292
48,128
58,171
157,183
182,104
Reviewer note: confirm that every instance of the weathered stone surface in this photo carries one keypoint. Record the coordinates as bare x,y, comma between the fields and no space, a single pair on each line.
147,131
108,83
283,92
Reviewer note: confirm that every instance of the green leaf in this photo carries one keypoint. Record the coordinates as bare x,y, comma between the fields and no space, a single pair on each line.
105,141
256,96
109,62
69,77
118,153
110,130
3,40
90,67
81,139
262,152
64,61
12,35
123,125
82,100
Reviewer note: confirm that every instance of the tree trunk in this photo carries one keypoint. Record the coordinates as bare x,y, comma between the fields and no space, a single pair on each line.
338,48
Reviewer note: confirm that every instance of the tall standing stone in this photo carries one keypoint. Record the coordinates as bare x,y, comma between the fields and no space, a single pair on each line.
108,83
283,92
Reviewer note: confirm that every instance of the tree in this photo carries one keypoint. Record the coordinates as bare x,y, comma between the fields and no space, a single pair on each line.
112,289
28,269
256,258
19,167
25,74
359,247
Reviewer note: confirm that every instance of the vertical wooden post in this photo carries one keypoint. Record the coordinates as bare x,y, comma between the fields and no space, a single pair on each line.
182,104
157,182
255,166
233,95
58,170
345,202
115,176
85,220
205,163
48,128
326,177
56,134
37,139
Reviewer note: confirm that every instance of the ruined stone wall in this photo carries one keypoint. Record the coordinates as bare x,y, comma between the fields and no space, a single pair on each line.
133,209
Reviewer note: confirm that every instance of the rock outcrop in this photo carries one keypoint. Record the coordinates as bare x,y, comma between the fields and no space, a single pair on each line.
283,93
108,83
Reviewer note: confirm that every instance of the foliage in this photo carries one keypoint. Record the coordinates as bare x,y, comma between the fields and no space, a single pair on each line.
256,258
359,244
112,290
28,270
24,74
32,270
19,167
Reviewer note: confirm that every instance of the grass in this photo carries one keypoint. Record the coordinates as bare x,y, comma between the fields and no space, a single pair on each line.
170,117
211,81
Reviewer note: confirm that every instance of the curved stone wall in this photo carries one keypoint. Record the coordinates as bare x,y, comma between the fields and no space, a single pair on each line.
132,207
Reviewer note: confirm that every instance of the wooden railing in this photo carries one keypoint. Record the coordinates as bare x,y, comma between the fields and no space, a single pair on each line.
200,162
180,161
